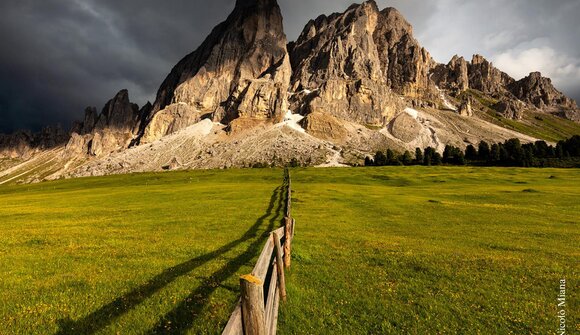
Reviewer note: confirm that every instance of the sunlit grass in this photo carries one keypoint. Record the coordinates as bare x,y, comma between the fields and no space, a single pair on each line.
412,250
432,251
131,254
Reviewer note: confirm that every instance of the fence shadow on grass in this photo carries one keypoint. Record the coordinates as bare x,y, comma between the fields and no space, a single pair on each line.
182,316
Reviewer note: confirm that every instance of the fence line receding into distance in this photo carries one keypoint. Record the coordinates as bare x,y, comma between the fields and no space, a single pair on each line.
261,291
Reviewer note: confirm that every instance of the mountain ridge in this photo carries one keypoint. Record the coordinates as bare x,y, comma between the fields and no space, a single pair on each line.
352,83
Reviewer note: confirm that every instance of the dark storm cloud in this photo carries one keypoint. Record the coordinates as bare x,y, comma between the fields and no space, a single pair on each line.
59,56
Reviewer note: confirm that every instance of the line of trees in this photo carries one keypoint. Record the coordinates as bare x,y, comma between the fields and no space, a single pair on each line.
510,153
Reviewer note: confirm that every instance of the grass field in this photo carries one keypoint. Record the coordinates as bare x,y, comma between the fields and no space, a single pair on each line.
378,251
131,254
433,251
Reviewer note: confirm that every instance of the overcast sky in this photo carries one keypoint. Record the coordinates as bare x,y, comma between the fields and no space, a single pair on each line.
59,56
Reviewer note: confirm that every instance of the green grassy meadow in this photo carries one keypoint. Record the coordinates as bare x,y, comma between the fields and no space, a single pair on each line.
395,250
433,251
137,254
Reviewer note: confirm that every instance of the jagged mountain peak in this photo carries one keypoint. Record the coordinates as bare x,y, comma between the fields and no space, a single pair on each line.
353,82
254,3
540,92
478,59
241,71
396,20
536,75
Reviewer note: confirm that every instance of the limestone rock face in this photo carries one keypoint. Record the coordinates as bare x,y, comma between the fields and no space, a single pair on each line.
539,91
325,126
344,64
119,114
17,145
24,143
110,131
483,76
107,141
169,120
465,108
404,62
454,76
76,145
510,108
337,47
241,69
90,121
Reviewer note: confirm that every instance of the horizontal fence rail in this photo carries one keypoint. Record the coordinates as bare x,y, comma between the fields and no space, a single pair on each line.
261,291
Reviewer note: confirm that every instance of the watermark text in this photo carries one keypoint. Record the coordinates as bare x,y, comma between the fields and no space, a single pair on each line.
562,308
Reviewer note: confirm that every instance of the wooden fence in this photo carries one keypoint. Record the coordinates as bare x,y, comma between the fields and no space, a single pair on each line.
261,291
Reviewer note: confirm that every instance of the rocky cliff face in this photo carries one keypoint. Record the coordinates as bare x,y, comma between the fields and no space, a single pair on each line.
514,97
24,144
337,70
454,76
359,80
241,70
479,74
539,91
483,76
405,64
110,131
351,65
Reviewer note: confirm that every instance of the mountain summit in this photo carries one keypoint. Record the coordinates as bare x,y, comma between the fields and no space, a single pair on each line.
351,84
240,74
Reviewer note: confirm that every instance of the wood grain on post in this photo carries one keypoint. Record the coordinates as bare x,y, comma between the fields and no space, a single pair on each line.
287,243
234,326
289,201
273,296
274,320
253,313
280,268
264,261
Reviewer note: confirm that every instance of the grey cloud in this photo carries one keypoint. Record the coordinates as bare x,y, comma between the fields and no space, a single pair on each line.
61,55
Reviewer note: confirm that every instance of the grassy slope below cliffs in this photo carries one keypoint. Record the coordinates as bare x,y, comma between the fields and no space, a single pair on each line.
539,125
378,250
432,251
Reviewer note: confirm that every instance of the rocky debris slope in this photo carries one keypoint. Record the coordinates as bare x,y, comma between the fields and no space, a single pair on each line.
207,145
241,70
412,129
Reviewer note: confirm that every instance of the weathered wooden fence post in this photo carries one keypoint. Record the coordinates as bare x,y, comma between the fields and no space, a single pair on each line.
288,242
253,306
280,267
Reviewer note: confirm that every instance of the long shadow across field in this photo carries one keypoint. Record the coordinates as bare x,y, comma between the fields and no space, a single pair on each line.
181,318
